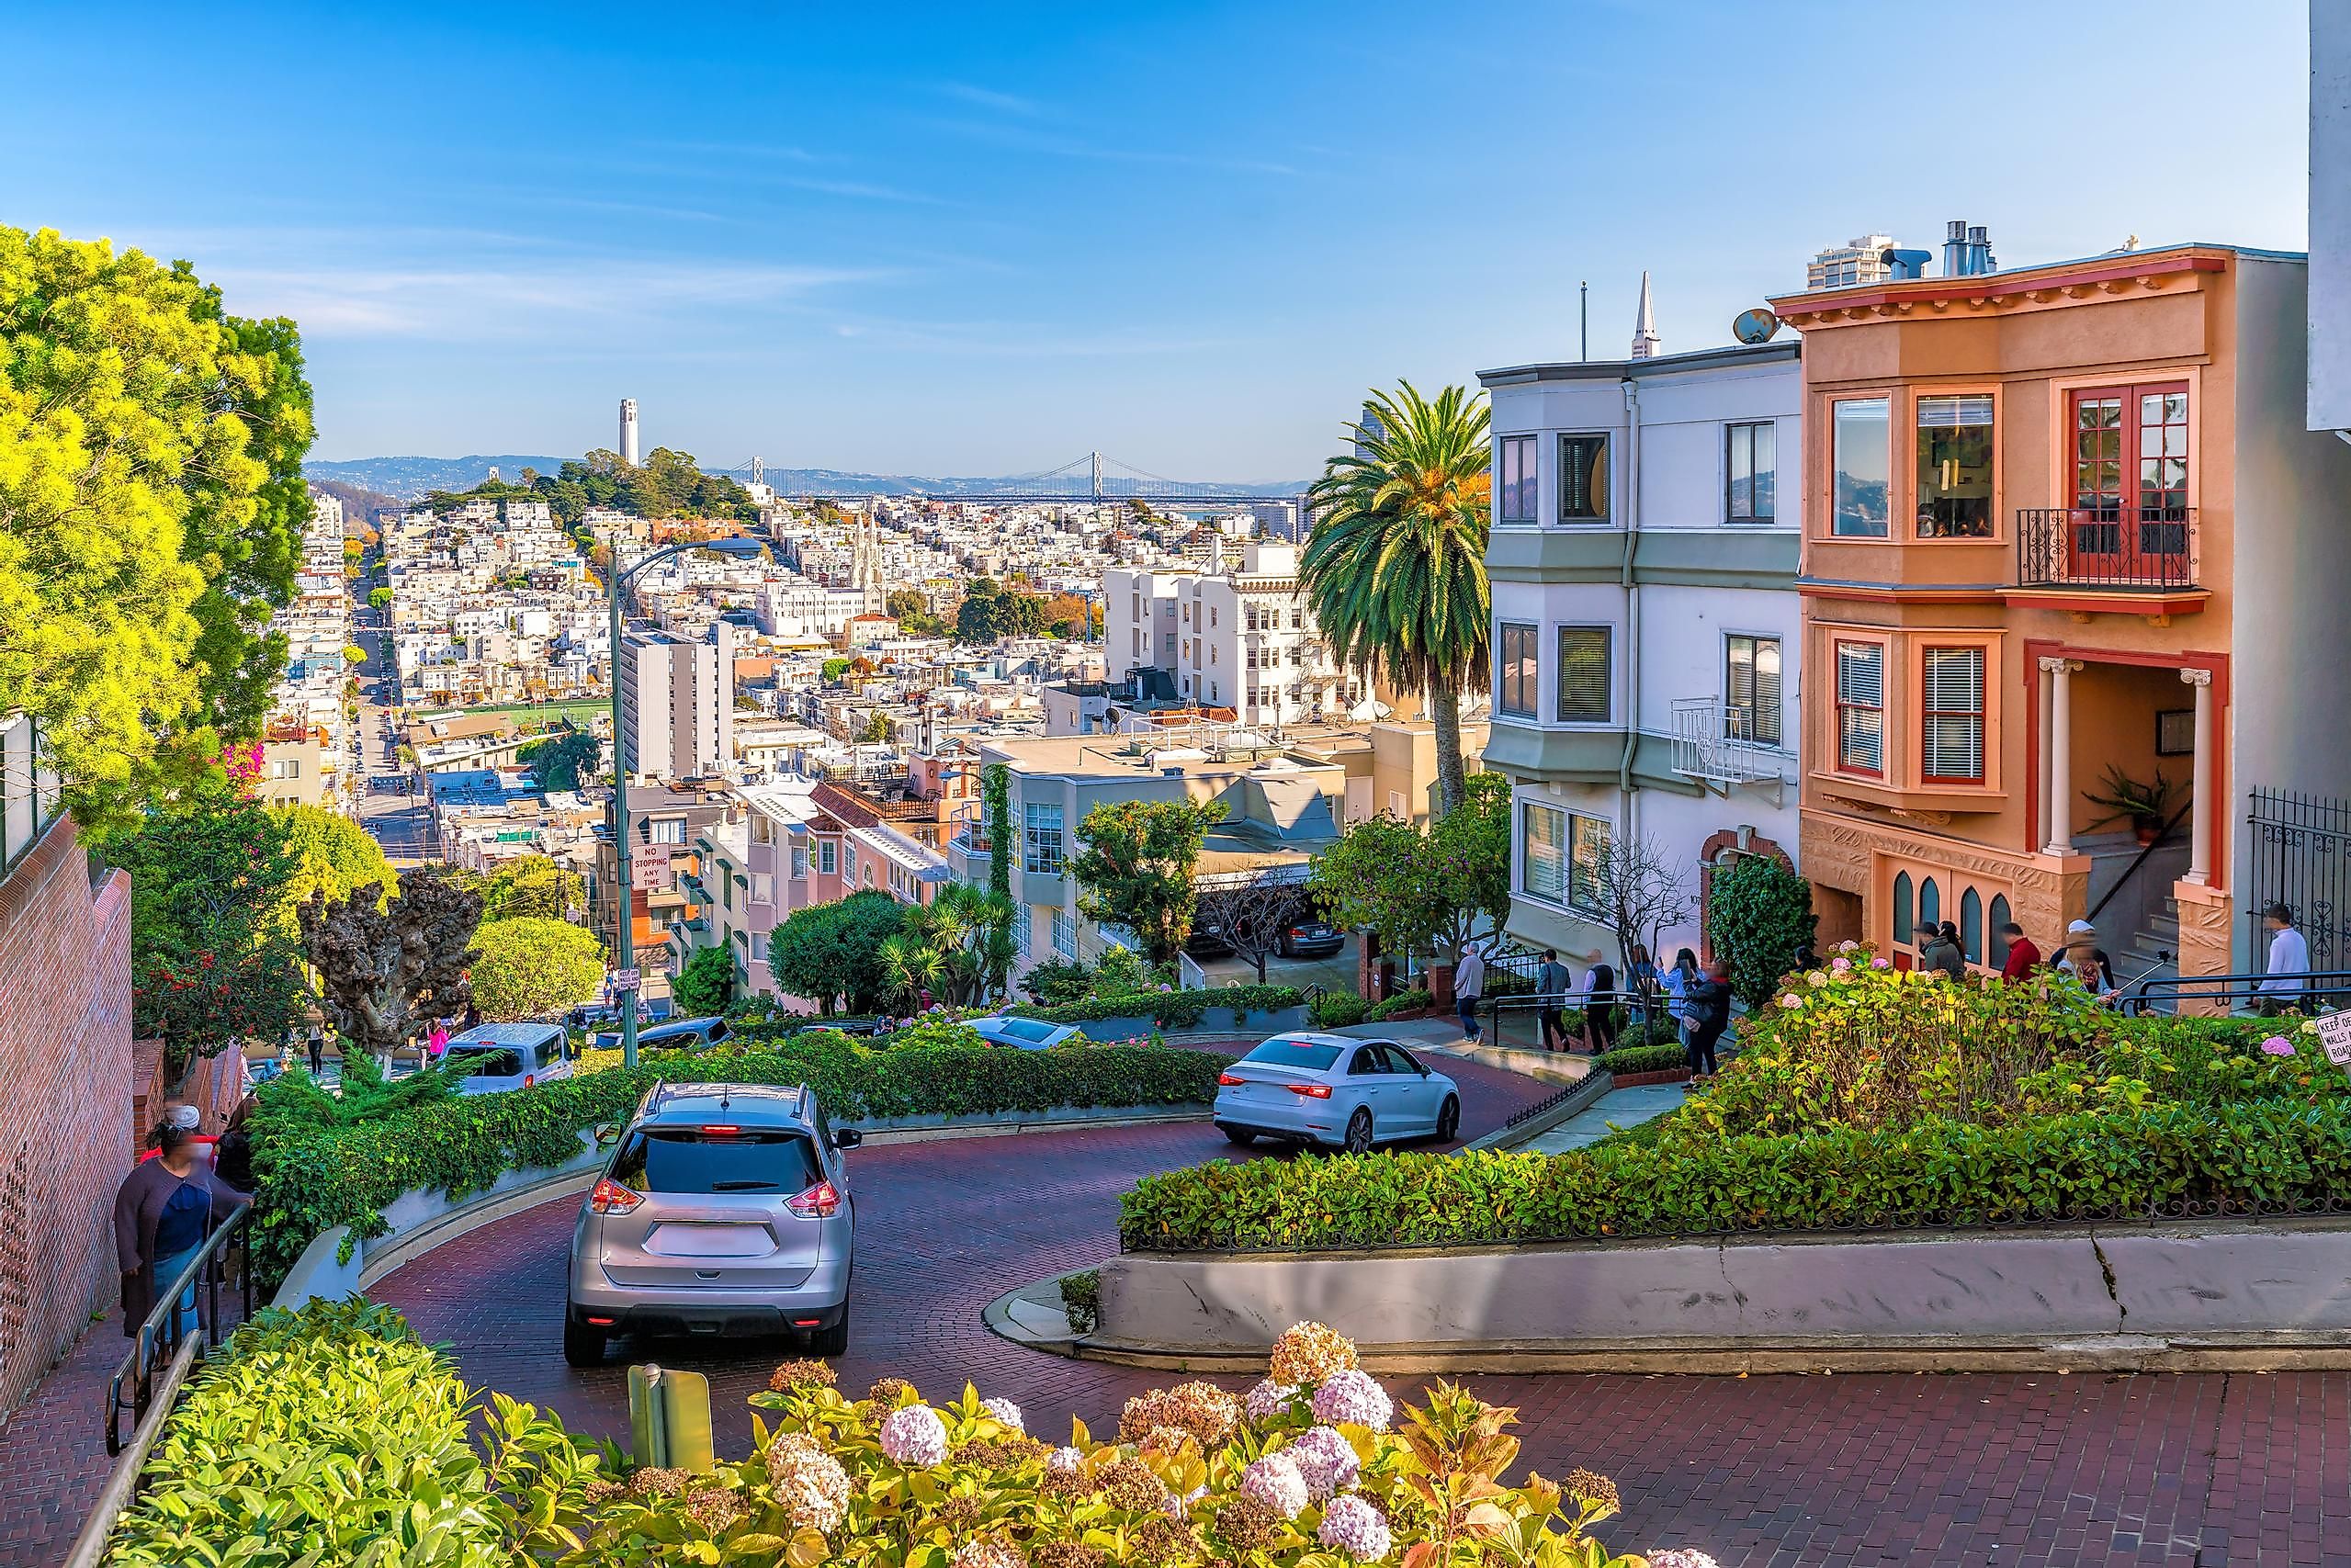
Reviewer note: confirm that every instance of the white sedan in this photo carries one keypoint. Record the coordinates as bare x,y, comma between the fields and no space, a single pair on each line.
1334,1088
1021,1033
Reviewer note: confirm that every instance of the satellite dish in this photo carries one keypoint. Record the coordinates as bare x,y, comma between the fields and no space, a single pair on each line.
1755,326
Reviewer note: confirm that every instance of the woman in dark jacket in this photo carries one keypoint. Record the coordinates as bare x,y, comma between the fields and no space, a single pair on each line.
165,1208
1943,952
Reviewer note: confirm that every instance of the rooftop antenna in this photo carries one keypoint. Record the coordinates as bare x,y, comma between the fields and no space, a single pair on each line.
1584,327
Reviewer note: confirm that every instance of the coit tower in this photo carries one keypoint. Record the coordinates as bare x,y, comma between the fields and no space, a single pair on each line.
628,431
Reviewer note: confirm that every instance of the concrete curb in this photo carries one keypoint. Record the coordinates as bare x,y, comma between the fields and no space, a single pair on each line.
1587,1093
1546,1066
996,1316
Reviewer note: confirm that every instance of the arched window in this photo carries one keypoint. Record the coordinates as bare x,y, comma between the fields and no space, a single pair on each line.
1972,926
1998,954
1930,908
1902,906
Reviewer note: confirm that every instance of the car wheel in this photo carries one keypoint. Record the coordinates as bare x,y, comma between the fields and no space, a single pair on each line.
1358,1133
1449,1120
833,1341
583,1345
1240,1135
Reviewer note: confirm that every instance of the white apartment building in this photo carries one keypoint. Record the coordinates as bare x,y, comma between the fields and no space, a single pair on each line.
1646,623
1238,638
677,703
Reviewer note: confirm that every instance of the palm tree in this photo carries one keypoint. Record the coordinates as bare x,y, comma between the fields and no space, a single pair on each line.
1396,568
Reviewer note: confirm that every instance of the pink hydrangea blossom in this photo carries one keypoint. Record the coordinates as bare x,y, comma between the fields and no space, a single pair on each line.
1270,1399
1353,1398
1004,1411
1276,1482
1681,1557
915,1437
1353,1526
1880,962
1840,966
2279,1046
1326,1459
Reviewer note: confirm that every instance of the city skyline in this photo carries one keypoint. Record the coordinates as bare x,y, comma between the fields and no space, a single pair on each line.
907,247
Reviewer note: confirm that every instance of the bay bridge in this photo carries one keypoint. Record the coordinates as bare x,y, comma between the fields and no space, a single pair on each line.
1092,480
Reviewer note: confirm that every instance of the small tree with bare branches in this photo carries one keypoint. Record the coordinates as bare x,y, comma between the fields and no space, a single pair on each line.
1638,891
1248,910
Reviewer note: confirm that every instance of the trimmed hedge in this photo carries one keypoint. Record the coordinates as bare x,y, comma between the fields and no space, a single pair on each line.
1169,1009
2275,1154
1336,1009
309,1177
1644,1059
1414,1001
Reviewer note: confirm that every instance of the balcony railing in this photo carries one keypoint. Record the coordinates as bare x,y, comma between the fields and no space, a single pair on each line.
2106,547
1715,741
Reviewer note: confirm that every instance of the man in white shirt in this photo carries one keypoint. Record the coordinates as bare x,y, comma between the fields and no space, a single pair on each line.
1469,986
2286,984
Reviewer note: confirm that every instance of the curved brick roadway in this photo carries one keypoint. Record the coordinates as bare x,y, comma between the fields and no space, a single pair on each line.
1917,1470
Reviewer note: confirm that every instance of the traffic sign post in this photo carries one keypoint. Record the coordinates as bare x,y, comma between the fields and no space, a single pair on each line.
624,980
2335,1034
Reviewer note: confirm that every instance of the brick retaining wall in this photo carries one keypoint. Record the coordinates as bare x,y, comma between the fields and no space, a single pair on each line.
65,1088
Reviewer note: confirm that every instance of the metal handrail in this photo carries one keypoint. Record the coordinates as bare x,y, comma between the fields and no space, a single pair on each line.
2145,851
158,1339
2317,985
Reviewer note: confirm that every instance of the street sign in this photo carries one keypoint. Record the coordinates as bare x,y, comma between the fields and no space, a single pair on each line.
624,980
2335,1034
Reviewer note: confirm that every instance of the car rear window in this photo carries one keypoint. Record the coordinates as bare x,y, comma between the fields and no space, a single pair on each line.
1026,1029
1285,1053
486,1061
699,1160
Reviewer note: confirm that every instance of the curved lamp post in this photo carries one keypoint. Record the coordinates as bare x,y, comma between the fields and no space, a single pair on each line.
615,579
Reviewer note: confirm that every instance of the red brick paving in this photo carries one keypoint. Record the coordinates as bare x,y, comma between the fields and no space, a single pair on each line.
53,1451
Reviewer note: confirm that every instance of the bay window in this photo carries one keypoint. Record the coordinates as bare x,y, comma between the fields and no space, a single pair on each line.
1583,674
1860,707
1860,467
1583,479
1514,479
1515,669
1955,468
1952,721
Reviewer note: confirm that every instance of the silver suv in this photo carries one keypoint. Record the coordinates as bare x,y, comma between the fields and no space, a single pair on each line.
724,1210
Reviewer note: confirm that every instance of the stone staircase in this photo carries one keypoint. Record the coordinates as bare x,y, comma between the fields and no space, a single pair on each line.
2142,954
2140,918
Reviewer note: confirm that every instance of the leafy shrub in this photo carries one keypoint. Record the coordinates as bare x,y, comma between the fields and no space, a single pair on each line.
1414,1001
1759,913
531,967
1081,1299
1336,1009
704,987
331,1433
1626,1059
1058,982
933,1031
1170,1010
311,1176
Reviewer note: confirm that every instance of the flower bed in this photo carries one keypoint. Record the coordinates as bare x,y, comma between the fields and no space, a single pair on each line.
1866,1098
326,1438
312,1175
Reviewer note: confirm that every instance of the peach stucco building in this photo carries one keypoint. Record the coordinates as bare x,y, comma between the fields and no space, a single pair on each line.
2060,520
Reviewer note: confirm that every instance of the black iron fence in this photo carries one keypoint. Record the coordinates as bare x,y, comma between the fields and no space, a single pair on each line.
2105,546
2301,858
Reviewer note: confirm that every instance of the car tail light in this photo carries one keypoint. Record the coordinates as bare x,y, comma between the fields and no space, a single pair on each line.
1312,1090
819,1202
529,1078
808,1323
722,1131
611,1197
1228,1080
1297,930
600,1323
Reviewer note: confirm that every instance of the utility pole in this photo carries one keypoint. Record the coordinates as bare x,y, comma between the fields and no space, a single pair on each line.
624,919
1584,322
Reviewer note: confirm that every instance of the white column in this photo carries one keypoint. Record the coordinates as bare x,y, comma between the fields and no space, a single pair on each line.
2199,816
2040,780
2060,742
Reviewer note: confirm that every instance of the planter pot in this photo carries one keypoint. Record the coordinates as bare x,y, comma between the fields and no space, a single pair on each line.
2147,829
1273,1020
1408,1013
1634,1080
1219,1019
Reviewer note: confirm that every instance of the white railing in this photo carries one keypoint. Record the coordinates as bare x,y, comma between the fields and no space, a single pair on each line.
1714,743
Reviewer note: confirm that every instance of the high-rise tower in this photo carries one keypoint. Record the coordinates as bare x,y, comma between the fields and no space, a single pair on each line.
628,432
1645,340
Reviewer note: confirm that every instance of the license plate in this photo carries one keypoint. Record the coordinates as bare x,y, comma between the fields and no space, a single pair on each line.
711,1241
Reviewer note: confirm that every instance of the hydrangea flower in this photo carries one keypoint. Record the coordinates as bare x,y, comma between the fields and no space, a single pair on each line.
1880,962
1353,1398
987,1554
810,1484
1276,1482
1308,1352
1681,1557
1841,966
1816,978
2278,1045
1065,1459
1270,1399
1004,1411
1353,1526
915,1437
1792,1001
1326,1459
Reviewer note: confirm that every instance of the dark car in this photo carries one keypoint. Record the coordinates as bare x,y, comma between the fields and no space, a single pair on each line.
1312,938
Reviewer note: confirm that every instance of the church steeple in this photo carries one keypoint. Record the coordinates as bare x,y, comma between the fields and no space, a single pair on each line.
1645,340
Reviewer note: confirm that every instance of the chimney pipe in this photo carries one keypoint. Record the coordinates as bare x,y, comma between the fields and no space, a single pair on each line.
1955,248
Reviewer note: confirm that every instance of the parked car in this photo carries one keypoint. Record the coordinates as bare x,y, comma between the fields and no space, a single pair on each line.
724,1210
1021,1033
510,1056
1205,943
684,1034
1334,1089
1312,938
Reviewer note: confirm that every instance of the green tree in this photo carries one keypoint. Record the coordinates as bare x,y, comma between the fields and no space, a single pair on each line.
354,655
529,968
835,669
1396,568
565,758
832,953
1136,866
706,984
380,598
151,508
877,729
332,854
958,947
1421,889
212,961
527,887
1758,917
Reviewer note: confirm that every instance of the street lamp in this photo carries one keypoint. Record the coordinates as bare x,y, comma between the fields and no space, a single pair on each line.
615,579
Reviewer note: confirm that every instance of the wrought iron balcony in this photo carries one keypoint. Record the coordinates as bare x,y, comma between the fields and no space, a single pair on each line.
2107,546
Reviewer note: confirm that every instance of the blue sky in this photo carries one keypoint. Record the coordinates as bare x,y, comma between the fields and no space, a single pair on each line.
984,239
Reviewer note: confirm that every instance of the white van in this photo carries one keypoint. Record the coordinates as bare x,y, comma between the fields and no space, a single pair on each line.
511,1056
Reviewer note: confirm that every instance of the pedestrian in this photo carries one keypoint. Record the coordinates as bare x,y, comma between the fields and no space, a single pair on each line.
438,1041
2286,977
2023,956
162,1214
1708,1008
1469,985
232,1155
1600,1008
2086,962
1640,979
472,1016
1551,983
1676,983
179,1113
1942,952
318,1048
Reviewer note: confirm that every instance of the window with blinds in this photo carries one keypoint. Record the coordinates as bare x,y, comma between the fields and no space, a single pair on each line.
1751,688
1583,479
1515,669
1542,852
1583,674
1951,727
1860,706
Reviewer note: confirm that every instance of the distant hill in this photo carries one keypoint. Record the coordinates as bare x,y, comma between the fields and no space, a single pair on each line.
411,478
